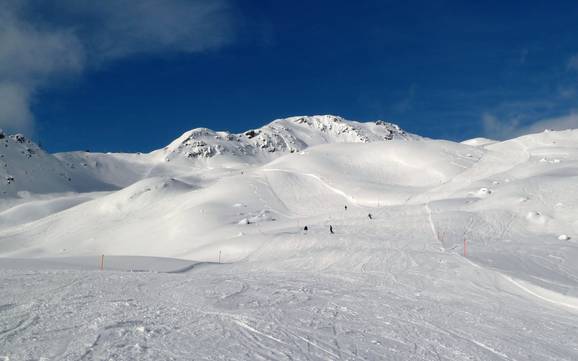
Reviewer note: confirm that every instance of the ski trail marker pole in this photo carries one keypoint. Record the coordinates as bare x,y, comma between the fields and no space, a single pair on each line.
102,262
465,247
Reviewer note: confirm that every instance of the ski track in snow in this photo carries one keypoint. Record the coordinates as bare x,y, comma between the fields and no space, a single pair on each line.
570,302
433,227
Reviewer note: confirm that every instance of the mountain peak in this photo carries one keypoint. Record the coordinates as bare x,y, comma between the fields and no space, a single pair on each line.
286,135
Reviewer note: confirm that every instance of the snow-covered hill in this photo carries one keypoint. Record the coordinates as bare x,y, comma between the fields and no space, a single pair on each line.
440,250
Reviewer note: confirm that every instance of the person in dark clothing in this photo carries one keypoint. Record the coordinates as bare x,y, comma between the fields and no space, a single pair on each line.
331,229
346,207
305,228
369,216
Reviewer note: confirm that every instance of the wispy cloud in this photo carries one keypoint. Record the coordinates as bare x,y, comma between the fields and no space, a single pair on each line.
504,129
567,92
523,56
496,129
14,106
406,102
512,118
573,63
569,121
73,36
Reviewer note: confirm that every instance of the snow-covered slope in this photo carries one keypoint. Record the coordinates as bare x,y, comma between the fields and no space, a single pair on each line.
440,250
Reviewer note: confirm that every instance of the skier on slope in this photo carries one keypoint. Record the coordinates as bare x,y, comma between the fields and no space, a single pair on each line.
369,216
331,229
305,228
346,207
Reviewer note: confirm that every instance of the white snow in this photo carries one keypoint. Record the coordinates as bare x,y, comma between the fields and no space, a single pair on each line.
479,142
206,257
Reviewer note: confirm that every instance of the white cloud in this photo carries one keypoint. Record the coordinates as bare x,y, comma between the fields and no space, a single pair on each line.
119,28
27,53
500,129
72,36
496,129
14,107
567,92
559,123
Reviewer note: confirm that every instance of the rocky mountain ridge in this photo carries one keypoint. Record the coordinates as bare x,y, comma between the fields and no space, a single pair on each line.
286,135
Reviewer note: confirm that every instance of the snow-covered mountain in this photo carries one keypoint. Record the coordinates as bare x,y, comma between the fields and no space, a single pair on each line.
25,166
439,250
280,136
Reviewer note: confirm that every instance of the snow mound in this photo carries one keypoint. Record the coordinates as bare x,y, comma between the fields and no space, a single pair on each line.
483,192
479,142
537,218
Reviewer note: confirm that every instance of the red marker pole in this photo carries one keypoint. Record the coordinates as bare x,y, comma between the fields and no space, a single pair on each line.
465,247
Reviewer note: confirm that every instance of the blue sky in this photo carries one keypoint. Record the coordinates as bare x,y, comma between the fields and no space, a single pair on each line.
116,77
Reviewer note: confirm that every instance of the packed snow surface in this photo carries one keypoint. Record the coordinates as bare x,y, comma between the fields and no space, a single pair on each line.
440,250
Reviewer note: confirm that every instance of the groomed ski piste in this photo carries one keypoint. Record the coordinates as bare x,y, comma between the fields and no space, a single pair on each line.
198,251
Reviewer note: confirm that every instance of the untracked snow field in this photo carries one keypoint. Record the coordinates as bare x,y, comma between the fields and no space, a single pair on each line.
446,251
